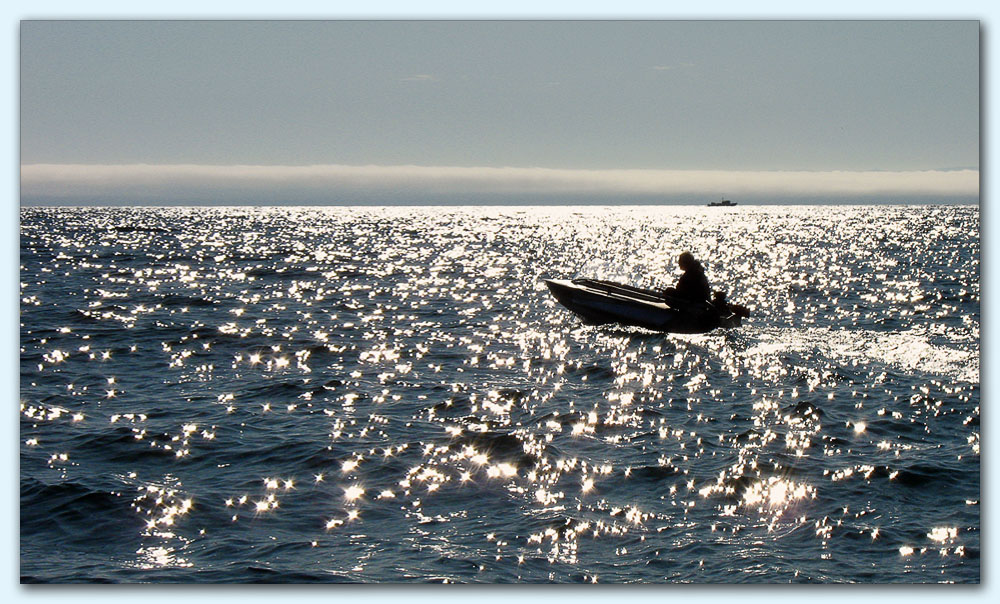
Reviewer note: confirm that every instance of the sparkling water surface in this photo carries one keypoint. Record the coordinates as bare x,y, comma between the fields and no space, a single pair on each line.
360,394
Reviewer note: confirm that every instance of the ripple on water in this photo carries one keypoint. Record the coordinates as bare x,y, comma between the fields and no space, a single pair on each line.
390,394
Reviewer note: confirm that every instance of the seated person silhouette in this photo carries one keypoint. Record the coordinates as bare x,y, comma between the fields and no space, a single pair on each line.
692,285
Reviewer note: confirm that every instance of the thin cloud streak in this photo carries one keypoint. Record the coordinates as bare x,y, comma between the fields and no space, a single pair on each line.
420,77
325,182
672,66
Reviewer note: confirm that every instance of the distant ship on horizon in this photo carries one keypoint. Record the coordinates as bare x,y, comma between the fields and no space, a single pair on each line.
724,203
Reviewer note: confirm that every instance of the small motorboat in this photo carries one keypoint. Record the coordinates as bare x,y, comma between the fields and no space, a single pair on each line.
600,302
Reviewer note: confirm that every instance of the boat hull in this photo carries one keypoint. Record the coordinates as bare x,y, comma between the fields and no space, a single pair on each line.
602,302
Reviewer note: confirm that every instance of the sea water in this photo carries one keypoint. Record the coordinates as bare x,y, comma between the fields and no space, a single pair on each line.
359,394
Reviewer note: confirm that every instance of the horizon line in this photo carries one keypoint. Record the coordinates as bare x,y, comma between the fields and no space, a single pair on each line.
324,183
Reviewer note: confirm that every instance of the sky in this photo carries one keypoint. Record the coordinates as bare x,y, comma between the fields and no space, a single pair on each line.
422,110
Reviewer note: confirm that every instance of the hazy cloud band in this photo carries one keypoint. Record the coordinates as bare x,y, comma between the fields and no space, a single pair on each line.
333,183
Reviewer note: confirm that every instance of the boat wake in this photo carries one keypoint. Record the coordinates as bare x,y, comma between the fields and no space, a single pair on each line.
909,351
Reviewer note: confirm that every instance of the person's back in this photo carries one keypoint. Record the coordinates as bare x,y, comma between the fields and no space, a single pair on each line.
693,284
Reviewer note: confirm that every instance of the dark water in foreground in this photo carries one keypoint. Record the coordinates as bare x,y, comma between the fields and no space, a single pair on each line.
390,394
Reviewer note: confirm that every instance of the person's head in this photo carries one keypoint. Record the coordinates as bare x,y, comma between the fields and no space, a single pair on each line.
686,261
